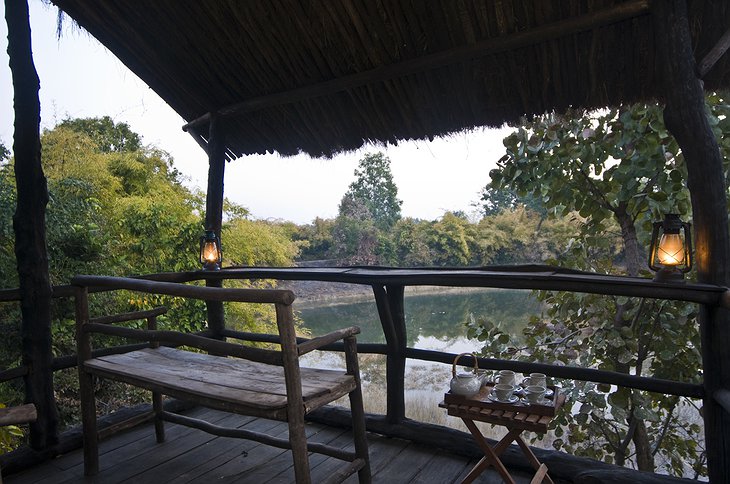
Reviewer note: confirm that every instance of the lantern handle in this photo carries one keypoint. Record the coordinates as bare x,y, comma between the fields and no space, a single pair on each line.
688,246
654,245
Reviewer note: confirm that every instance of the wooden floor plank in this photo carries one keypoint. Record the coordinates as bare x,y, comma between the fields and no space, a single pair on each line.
243,462
284,461
128,460
382,451
129,468
213,454
490,476
443,467
327,435
193,456
405,465
68,465
206,450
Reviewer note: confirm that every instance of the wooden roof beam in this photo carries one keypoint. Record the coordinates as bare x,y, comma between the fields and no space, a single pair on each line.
485,47
714,55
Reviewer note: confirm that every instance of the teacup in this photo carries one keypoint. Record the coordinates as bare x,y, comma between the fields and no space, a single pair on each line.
537,379
535,393
503,391
506,377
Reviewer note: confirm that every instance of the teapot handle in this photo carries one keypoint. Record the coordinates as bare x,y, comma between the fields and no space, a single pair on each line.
453,367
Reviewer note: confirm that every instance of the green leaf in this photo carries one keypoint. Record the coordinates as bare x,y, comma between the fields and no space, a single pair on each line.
619,398
644,413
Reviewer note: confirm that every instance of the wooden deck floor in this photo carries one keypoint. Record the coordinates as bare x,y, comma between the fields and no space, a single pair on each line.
190,455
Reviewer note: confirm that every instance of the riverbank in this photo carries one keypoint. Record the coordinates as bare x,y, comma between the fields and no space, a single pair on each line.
317,293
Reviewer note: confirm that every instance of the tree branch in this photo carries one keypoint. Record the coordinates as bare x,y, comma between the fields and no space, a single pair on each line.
665,427
551,343
629,433
595,191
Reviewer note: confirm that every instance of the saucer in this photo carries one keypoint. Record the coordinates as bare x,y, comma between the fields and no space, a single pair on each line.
544,401
511,399
521,390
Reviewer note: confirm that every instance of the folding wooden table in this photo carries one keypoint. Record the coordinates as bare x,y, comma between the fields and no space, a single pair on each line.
517,417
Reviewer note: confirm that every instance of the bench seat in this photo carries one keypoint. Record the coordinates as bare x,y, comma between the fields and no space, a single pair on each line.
225,383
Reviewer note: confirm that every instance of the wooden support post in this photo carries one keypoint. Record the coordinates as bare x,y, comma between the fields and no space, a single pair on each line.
214,212
685,118
30,232
389,300
86,385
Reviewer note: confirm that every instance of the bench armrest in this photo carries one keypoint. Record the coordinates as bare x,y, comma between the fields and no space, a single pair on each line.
320,341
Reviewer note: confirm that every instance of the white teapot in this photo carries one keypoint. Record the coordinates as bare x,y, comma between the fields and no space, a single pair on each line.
466,383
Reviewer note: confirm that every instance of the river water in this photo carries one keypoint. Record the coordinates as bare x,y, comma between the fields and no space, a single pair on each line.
434,321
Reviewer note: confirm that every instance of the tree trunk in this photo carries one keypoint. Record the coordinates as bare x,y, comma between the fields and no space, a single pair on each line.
634,261
685,118
644,457
30,231
632,250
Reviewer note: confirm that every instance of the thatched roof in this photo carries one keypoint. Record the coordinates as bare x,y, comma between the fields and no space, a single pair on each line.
323,76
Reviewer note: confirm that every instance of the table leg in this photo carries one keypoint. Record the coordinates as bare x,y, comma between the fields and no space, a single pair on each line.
506,440
532,457
490,457
476,470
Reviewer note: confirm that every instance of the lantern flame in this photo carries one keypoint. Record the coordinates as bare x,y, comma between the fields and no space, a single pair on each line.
671,250
210,251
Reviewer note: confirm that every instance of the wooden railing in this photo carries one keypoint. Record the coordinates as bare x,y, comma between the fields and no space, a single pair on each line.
388,285
388,288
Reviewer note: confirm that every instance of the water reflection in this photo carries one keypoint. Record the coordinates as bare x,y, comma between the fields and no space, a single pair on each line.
434,321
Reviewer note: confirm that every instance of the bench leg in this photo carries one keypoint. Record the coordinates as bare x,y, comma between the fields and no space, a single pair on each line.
298,442
358,413
88,420
159,423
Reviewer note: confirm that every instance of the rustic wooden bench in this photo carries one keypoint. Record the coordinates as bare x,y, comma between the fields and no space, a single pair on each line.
231,377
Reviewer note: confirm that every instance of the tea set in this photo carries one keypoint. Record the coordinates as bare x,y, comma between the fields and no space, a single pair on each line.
532,390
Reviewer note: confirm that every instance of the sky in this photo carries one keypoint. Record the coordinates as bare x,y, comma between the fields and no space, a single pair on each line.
80,78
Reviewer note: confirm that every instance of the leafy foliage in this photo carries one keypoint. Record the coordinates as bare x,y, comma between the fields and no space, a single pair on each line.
495,200
314,240
10,436
119,208
107,135
614,172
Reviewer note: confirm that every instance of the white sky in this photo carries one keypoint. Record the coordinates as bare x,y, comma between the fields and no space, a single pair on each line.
80,78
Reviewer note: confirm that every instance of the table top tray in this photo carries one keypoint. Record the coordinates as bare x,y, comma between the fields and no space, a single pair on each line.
482,400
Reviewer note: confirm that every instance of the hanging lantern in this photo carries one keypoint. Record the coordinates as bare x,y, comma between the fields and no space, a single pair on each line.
211,254
670,254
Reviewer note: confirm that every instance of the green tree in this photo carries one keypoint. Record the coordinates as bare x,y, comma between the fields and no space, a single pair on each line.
411,243
375,190
315,239
495,200
119,208
108,135
255,243
618,170
7,236
354,234
521,236
451,239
